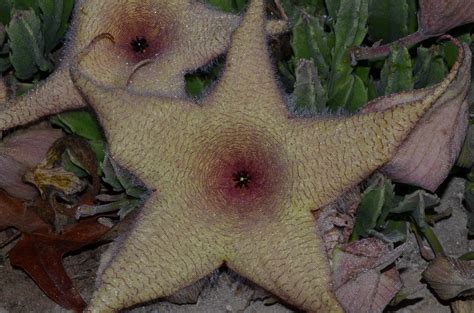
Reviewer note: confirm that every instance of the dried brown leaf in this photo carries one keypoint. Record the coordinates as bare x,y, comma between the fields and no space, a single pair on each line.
450,277
365,279
20,151
16,214
40,255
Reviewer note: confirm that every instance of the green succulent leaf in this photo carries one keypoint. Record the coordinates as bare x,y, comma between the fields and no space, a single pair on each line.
383,214
195,86
340,96
350,29
55,15
388,19
309,95
109,175
286,71
371,90
377,200
363,73
333,7
293,7
27,44
309,41
224,5
26,5
430,67
395,231
359,95
397,72
450,50
121,180
412,20
415,204
80,123
5,11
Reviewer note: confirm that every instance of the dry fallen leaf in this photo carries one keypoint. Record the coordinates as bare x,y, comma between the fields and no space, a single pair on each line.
19,152
365,279
450,277
40,255
40,249
16,214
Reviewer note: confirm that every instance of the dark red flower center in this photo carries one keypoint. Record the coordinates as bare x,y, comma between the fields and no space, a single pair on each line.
242,179
139,44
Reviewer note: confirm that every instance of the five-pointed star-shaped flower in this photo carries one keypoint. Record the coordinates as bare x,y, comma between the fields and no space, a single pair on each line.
235,181
173,36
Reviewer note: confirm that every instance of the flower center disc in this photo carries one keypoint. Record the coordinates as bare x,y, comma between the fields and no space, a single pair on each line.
139,44
140,30
242,179
243,174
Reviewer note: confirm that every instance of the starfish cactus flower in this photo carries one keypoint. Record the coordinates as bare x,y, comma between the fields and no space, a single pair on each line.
174,36
235,181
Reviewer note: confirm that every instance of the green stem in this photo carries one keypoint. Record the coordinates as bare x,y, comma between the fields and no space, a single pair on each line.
378,53
432,240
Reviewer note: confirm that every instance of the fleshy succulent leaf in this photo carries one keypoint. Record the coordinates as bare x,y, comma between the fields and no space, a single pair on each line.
345,90
396,75
388,19
416,203
376,204
373,200
309,42
5,11
333,7
309,96
350,30
54,16
430,68
359,95
27,44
